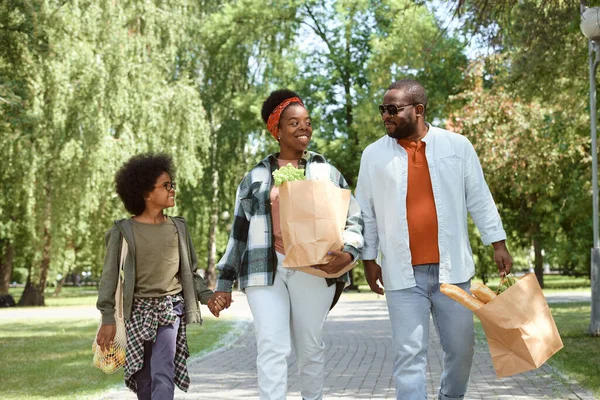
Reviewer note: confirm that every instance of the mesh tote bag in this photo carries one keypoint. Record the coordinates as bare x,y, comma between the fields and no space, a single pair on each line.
111,360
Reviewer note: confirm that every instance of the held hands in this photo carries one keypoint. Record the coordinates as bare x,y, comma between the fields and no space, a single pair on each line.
105,336
337,263
373,274
502,258
218,302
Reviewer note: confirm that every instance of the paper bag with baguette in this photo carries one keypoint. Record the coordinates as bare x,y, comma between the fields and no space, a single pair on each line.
519,327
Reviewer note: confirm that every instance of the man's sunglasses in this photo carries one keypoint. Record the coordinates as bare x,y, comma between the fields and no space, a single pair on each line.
393,109
168,185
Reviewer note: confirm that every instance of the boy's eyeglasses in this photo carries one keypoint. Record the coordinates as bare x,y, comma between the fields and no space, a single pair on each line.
168,186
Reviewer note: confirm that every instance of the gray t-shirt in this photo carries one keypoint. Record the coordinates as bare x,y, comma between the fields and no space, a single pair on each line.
157,259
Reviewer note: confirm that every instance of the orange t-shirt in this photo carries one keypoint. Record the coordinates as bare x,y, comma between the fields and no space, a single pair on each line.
420,206
278,238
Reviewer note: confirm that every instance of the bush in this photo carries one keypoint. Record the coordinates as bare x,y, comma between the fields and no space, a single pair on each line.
19,275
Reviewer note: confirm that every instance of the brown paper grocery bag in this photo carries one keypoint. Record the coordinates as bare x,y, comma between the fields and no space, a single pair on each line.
313,217
520,330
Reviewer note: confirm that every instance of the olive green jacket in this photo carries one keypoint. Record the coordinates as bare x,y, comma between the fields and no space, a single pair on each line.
194,287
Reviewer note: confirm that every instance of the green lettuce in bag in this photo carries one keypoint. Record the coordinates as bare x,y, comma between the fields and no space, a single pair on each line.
287,174
507,281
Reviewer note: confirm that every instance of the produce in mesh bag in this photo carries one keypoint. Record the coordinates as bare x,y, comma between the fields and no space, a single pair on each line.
111,360
288,173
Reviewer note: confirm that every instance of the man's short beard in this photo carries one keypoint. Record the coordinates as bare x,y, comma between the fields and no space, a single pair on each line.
402,132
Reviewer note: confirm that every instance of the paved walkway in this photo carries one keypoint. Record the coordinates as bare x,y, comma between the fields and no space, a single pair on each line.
359,363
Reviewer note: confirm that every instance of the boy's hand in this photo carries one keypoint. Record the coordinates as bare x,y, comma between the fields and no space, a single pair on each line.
217,303
105,336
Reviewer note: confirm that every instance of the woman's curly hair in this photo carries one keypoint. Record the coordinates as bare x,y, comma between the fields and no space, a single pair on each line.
137,177
276,98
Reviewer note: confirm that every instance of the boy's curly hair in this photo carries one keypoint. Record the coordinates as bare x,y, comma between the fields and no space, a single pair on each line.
137,177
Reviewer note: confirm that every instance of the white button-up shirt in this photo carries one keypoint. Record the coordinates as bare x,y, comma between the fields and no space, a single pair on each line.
458,186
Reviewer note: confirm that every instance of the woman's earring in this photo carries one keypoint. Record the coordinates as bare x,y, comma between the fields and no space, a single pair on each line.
278,137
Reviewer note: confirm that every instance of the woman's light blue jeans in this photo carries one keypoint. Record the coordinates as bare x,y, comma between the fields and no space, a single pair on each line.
409,311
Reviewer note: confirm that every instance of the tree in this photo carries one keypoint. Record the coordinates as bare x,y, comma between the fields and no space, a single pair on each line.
355,50
240,48
530,164
544,50
101,79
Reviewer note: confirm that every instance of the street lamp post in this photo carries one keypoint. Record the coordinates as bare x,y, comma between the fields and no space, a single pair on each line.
590,26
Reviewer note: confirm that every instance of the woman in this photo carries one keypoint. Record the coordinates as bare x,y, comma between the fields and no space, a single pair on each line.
289,307
161,287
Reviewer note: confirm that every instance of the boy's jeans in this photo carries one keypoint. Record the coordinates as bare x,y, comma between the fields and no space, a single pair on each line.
409,311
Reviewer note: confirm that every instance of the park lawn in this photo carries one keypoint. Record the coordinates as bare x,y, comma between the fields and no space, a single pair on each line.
69,296
52,359
579,358
552,283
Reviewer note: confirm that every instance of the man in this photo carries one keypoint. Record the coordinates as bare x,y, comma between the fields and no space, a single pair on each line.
415,187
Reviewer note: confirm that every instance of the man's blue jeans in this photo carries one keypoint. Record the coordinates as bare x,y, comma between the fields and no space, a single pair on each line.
409,311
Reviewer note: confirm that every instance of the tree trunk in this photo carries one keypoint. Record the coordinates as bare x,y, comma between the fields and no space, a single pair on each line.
484,277
209,274
33,294
59,286
6,266
538,261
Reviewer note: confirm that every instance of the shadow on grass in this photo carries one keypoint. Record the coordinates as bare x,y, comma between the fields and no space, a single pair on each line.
53,359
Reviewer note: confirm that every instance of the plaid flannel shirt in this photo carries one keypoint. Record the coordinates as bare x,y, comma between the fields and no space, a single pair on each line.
250,254
147,315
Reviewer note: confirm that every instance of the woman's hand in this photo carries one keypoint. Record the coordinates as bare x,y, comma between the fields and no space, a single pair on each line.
105,336
340,260
218,302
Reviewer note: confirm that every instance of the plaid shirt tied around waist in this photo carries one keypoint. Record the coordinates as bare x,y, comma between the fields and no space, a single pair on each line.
250,253
147,315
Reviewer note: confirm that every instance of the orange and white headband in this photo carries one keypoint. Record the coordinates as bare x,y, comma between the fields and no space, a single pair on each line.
275,116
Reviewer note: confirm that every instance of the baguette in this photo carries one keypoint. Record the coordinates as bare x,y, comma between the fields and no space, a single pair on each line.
482,292
459,295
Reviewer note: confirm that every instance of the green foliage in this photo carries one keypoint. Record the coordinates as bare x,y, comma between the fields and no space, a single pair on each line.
84,85
89,84
535,163
360,48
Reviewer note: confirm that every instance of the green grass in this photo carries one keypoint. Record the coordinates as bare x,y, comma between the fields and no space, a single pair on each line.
52,359
552,283
69,296
579,359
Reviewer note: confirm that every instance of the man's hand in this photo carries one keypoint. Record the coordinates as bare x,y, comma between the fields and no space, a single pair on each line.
373,274
502,258
337,263
105,336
